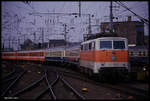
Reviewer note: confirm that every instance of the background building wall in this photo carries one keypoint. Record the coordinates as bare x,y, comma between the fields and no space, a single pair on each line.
132,30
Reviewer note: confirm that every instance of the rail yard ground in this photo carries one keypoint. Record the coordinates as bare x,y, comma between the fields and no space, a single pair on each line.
50,82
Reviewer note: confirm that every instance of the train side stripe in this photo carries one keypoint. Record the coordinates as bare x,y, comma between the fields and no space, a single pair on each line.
104,56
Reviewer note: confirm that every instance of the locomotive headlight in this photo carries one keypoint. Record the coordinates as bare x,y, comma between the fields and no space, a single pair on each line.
113,57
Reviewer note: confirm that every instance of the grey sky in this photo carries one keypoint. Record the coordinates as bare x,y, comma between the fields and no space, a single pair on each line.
100,10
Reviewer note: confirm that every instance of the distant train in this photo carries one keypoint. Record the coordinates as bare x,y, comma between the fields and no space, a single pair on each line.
139,61
138,56
102,57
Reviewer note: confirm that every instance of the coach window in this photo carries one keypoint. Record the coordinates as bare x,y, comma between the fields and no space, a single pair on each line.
131,53
140,54
144,53
82,47
105,44
85,47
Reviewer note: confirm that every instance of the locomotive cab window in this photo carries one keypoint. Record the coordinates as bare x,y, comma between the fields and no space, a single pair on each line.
119,44
81,47
105,44
93,45
90,46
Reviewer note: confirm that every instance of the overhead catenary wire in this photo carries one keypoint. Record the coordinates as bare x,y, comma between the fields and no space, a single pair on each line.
14,23
141,18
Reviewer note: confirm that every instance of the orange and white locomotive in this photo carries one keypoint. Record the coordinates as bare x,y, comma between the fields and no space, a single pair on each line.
104,53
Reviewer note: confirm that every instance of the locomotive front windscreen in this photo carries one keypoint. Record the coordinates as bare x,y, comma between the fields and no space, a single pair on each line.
105,44
112,44
119,44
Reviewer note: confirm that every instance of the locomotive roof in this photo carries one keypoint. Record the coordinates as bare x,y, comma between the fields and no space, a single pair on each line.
110,38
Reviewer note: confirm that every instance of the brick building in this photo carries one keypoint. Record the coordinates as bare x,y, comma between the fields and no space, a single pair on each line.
132,30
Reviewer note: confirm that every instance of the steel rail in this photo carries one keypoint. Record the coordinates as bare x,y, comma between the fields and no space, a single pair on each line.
146,92
13,83
54,82
8,75
68,85
123,90
50,88
69,72
138,95
29,86
44,91
129,91
7,80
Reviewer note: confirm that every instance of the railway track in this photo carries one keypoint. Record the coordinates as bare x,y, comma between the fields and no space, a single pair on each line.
14,82
61,85
6,70
136,93
52,85
10,85
7,76
67,91
45,87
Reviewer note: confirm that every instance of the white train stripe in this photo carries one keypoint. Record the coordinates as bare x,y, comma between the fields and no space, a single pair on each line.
95,66
25,56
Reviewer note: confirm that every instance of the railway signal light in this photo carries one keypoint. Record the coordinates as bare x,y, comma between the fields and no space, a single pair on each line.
84,89
29,71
